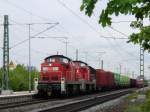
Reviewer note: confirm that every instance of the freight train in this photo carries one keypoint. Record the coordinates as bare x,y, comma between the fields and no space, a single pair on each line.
60,75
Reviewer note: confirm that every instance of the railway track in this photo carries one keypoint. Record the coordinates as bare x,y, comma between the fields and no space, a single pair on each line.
71,104
9,105
10,102
16,98
24,103
85,103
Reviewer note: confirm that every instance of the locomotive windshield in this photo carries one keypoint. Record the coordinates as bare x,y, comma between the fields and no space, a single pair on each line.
63,60
82,64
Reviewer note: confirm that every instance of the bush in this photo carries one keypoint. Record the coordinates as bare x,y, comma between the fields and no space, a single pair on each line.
146,106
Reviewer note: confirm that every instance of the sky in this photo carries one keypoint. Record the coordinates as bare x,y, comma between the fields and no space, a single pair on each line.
83,33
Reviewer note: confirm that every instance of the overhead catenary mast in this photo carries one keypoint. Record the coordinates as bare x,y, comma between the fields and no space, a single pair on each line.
77,53
5,77
142,64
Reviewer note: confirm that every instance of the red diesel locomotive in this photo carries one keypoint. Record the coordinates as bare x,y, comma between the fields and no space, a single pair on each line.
85,80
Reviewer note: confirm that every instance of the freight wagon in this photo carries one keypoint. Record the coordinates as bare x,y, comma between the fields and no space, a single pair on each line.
101,79
110,80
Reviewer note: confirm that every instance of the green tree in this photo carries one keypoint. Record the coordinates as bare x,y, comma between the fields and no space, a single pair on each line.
19,79
140,9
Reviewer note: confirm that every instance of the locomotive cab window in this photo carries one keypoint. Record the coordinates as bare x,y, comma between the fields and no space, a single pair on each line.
57,59
65,61
50,60
82,65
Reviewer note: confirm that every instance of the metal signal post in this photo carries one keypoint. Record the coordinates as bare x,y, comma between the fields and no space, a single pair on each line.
29,68
101,62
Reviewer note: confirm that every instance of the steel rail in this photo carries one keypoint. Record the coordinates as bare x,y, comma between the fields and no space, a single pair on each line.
24,103
72,104
86,103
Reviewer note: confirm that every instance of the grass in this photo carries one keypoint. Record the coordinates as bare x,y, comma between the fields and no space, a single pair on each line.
132,96
134,108
148,94
146,106
141,107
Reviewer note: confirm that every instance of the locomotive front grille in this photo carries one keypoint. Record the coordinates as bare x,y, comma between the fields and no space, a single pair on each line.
54,78
45,78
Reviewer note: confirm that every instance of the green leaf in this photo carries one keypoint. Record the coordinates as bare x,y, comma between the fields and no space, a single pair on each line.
140,9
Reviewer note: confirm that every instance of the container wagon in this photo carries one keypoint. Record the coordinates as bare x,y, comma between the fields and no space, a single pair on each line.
101,79
110,80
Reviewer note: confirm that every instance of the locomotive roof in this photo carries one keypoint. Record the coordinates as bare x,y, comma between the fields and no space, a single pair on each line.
59,56
80,62
91,68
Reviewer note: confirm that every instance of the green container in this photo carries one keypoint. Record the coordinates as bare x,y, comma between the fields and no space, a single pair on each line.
124,81
117,79
121,80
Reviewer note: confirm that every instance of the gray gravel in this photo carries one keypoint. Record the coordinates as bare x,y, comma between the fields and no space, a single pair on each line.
34,107
107,105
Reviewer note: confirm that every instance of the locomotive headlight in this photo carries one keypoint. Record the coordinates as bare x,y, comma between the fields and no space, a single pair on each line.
77,71
50,64
55,68
45,69
141,79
